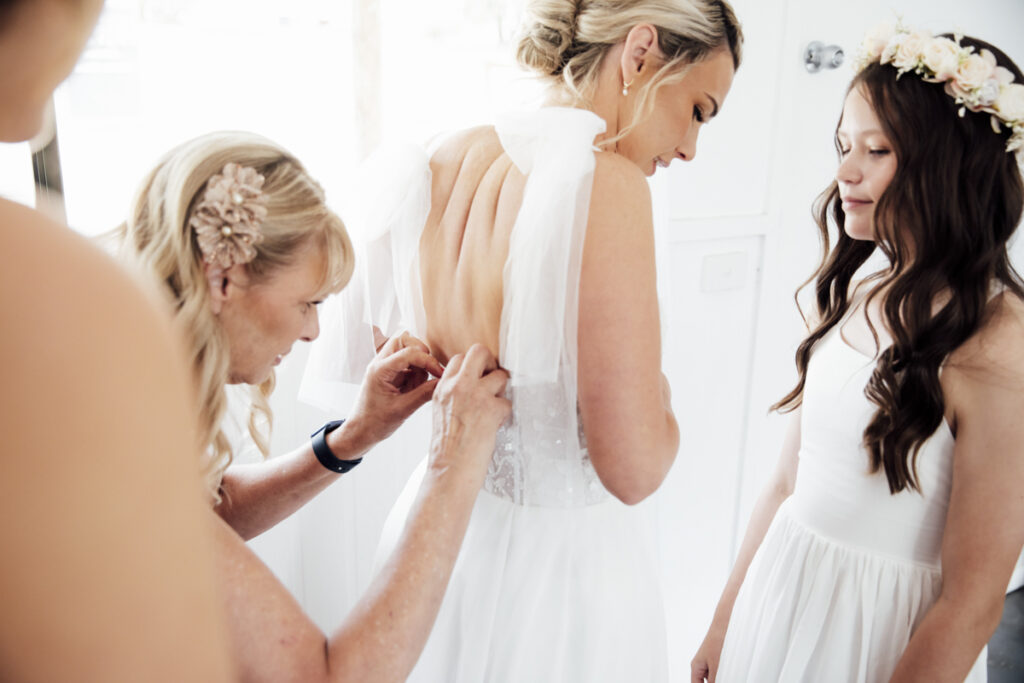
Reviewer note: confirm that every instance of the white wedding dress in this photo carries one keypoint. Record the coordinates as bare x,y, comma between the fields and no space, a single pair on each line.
846,571
556,579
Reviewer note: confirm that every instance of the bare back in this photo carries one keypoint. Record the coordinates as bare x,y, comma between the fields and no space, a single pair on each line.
475,196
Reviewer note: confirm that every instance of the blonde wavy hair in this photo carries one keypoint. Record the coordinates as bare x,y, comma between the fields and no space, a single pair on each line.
565,41
157,238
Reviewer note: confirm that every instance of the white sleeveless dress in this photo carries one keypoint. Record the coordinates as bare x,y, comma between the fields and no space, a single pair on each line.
846,570
556,579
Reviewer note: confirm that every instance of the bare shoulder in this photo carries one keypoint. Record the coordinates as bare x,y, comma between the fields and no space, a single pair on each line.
998,346
616,174
44,262
99,444
79,316
89,360
470,144
620,224
988,368
620,201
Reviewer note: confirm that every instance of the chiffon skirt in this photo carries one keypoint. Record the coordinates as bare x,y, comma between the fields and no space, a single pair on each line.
545,594
812,609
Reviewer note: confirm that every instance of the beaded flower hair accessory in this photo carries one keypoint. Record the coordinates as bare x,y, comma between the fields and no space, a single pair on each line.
228,217
973,80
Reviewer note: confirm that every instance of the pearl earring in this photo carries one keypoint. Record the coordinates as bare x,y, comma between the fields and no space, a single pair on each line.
625,88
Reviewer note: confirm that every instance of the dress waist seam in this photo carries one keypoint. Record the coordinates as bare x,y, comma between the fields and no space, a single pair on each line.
865,551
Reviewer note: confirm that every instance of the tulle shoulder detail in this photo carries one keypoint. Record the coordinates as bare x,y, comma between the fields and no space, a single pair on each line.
554,148
393,202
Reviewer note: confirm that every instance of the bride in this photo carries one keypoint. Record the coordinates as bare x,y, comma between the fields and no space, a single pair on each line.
535,238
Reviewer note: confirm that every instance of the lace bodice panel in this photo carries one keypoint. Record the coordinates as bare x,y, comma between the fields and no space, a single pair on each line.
540,456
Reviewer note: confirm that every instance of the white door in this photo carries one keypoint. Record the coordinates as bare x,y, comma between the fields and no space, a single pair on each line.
739,239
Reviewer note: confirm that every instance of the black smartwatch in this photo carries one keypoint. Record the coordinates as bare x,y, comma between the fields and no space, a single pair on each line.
323,452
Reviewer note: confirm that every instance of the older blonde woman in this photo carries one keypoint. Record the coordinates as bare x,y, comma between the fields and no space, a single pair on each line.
242,241
240,238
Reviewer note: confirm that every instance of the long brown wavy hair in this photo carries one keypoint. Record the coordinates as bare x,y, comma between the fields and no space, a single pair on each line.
943,223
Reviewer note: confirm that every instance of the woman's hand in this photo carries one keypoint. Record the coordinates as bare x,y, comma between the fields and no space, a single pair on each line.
468,409
705,663
397,382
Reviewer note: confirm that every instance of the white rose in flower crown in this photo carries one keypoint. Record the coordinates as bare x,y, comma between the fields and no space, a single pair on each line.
1010,104
908,53
1003,75
876,40
973,72
988,93
890,49
942,57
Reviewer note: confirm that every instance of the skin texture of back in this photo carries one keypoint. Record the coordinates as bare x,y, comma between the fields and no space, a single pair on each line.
475,196
107,570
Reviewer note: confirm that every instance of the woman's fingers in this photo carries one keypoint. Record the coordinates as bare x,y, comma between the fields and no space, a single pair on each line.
397,341
379,339
479,361
412,357
495,382
422,393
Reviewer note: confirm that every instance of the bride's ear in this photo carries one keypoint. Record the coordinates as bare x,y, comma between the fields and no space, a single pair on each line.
223,284
641,50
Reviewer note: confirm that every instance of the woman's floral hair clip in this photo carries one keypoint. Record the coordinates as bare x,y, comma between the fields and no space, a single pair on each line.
972,79
227,219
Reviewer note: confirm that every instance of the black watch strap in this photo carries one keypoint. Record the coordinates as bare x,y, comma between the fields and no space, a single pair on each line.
323,452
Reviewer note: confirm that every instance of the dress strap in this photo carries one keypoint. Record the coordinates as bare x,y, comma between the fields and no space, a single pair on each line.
554,148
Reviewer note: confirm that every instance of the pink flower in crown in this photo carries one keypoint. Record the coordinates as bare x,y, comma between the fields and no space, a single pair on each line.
227,219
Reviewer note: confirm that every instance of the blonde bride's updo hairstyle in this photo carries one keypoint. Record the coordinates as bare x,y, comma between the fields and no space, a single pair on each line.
159,239
565,41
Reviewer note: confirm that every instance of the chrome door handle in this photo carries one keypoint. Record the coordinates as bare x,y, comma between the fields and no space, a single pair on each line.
818,56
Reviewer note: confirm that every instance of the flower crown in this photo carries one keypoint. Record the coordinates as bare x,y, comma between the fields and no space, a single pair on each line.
972,79
228,217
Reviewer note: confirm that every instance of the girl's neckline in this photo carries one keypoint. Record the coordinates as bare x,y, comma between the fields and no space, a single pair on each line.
857,308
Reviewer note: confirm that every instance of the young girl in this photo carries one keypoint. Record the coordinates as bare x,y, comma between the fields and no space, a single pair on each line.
882,546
